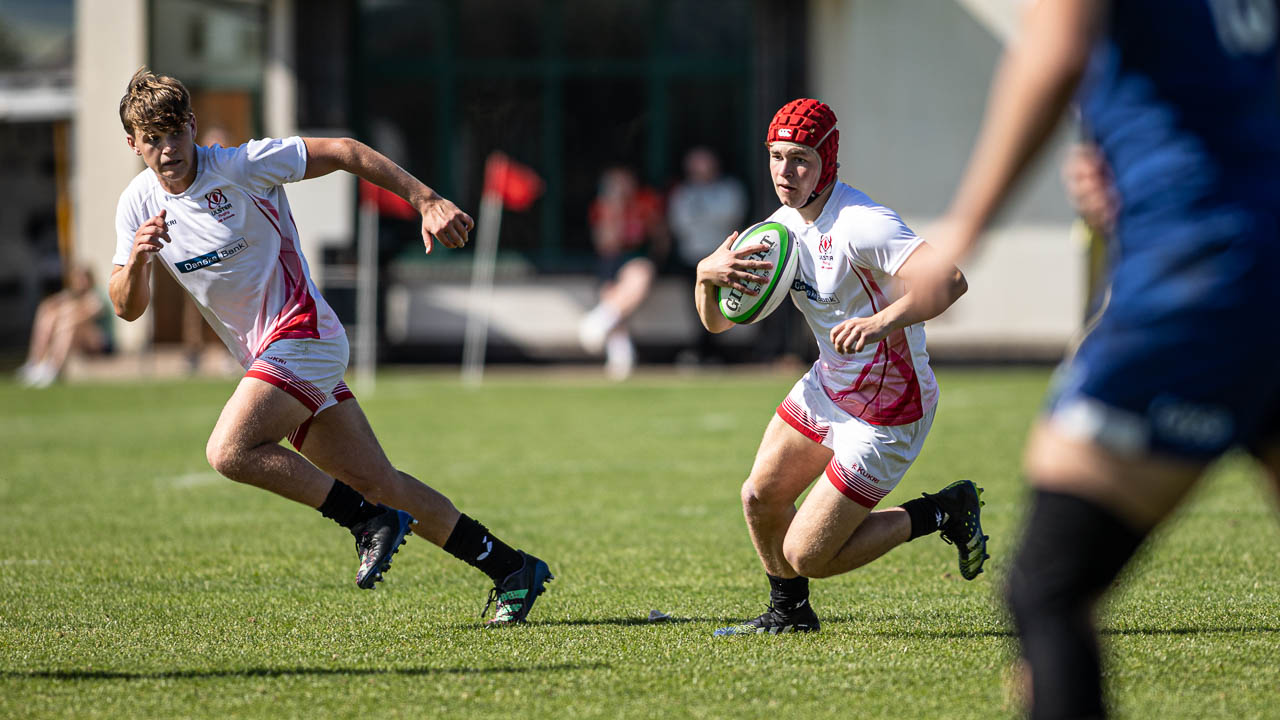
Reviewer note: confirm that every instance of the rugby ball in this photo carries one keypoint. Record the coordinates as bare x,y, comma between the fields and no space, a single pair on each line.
780,250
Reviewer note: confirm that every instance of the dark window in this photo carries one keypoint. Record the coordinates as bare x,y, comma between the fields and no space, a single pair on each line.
568,87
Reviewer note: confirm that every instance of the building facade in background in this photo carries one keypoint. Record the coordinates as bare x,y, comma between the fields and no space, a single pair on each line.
36,105
568,87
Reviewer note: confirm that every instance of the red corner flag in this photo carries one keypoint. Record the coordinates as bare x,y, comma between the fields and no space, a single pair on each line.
516,185
387,202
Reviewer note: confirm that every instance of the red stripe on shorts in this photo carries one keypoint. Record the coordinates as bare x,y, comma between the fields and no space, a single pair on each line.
796,417
300,389
341,392
299,435
853,486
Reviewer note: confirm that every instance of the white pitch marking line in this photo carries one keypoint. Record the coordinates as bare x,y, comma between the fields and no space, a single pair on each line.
191,480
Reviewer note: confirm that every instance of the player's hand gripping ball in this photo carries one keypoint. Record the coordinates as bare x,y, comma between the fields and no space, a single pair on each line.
780,250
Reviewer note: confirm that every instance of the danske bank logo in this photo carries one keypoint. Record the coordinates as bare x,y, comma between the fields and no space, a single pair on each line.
217,256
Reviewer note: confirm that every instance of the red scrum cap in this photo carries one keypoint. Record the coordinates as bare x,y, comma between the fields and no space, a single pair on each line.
813,123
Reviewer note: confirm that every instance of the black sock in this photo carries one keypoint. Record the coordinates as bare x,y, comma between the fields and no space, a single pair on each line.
1070,554
347,507
925,515
788,594
473,544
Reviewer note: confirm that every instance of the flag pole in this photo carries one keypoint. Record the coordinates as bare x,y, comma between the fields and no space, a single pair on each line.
367,295
481,295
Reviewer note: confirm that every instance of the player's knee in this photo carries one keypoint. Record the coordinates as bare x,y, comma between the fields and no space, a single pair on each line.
805,559
226,457
222,457
750,497
758,494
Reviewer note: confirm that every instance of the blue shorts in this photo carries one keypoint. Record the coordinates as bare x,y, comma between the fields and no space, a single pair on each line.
1184,359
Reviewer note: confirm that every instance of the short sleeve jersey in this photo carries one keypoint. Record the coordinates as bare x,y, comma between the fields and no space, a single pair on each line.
235,247
847,261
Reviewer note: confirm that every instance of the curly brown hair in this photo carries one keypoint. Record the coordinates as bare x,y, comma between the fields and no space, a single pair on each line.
154,103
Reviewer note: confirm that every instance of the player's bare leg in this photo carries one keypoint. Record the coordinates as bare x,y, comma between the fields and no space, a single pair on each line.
244,445
1090,511
1142,490
832,534
341,442
786,463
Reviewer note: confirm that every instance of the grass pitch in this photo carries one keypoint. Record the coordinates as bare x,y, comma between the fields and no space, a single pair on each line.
134,582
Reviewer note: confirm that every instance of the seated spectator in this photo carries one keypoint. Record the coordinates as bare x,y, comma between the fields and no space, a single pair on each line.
629,235
75,319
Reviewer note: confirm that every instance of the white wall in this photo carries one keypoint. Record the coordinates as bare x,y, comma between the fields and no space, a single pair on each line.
110,44
908,80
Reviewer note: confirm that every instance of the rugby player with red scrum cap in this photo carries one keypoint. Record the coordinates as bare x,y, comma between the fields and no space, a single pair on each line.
860,415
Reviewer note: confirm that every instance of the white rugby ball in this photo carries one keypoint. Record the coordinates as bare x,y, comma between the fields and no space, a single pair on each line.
780,250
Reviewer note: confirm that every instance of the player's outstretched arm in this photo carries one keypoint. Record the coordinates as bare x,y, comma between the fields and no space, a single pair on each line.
925,299
441,219
1033,85
725,268
130,284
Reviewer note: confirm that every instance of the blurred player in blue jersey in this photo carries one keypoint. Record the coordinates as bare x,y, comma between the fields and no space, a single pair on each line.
1182,97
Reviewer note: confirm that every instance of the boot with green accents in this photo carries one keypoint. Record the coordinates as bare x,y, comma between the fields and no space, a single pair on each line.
516,594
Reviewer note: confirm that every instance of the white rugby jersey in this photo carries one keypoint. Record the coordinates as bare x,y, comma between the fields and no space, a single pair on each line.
847,260
235,247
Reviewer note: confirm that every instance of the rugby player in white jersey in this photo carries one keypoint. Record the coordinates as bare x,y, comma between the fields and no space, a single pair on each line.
218,221
861,413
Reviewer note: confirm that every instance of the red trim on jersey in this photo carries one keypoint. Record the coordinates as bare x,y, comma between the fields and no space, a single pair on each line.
887,391
872,296
305,319
302,390
853,486
795,416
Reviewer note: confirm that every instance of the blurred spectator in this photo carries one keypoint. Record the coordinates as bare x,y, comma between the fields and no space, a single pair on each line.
73,319
1092,191
1089,185
630,237
704,210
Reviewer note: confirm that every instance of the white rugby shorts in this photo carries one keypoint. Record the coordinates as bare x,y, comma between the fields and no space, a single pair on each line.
869,460
309,369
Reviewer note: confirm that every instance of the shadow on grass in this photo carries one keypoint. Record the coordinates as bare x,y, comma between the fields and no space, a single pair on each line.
627,622
285,672
947,634
1009,633
624,622
1251,630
